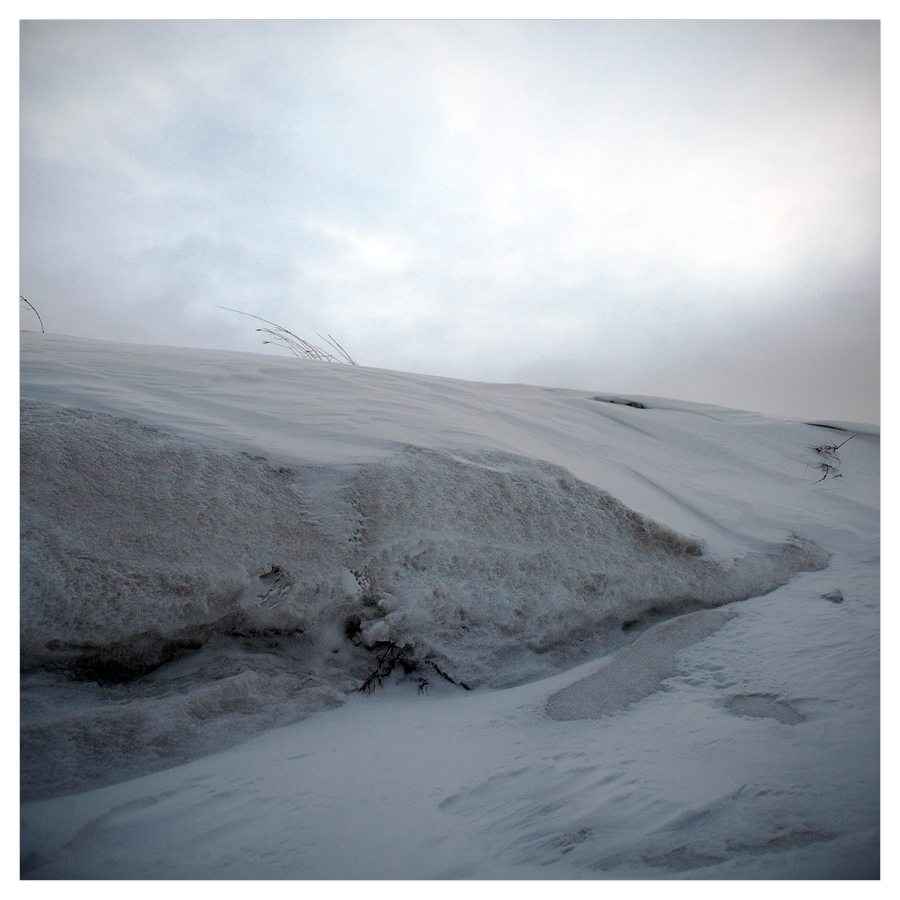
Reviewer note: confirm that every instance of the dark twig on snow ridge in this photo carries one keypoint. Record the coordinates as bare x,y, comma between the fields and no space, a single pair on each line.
830,461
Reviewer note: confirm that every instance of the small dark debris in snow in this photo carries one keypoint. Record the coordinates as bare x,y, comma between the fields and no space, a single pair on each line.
632,403
833,596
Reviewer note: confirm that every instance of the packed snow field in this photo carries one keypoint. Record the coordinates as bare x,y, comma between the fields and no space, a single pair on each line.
290,619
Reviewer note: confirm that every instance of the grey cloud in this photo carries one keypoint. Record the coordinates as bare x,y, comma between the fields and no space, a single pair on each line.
493,200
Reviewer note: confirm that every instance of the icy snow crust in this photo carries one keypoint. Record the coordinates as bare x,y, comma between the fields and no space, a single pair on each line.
157,544
214,544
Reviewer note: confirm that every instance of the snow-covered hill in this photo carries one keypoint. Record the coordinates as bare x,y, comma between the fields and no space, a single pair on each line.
598,636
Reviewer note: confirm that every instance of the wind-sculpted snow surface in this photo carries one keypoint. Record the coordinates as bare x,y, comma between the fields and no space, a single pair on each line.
136,545
543,589
141,549
500,568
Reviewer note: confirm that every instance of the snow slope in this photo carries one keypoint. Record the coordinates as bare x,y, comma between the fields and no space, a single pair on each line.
615,636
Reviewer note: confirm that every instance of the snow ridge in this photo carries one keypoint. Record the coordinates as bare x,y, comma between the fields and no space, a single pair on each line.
137,544
501,568
141,550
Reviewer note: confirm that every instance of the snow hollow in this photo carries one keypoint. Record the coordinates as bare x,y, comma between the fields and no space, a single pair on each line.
542,633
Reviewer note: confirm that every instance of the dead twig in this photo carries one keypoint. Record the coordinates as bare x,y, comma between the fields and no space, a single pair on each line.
34,311
830,460
389,657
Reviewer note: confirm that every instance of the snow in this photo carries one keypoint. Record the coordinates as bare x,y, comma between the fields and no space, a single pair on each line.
620,637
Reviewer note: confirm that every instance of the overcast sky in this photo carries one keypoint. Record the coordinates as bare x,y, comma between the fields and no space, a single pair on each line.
683,209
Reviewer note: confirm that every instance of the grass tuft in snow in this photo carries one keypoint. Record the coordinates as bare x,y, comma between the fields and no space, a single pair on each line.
297,345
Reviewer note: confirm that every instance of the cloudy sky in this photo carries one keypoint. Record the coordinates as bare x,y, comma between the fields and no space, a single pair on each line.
687,209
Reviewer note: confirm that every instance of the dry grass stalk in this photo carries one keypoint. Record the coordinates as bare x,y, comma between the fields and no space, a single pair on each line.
297,345
34,311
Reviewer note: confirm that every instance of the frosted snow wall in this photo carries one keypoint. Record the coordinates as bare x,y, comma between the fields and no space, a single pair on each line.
137,545
139,549
497,567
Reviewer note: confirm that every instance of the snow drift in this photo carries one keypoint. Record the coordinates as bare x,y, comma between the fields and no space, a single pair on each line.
214,544
271,590
137,546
